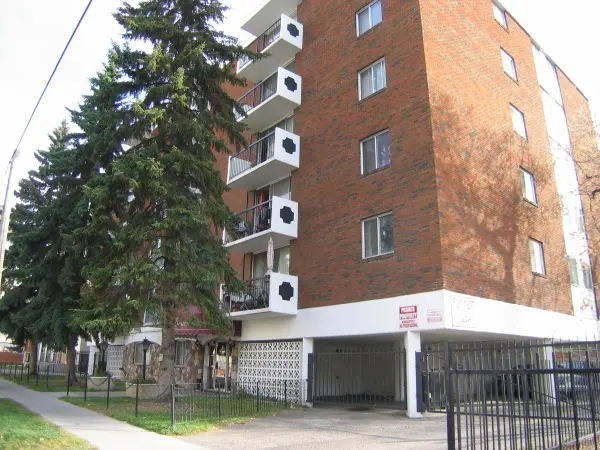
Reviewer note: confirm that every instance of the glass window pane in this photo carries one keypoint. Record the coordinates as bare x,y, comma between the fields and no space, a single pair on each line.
508,63
386,228
378,76
518,121
587,277
366,83
259,266
500,16
383,150
573,272
363,21
368,156
376,14
370,237
282,260
281,189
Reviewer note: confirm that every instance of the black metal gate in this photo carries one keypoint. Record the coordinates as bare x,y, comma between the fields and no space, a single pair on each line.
515,395
366,376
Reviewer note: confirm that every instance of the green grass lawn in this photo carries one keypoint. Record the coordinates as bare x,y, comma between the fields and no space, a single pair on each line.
58,383
156,416
21,429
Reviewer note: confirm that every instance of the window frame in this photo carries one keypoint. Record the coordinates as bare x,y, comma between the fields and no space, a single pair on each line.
502,11
532,242
370,67
522,115
588,277
180,344
362,158
513,64
573,270
524,174
371,25
362,225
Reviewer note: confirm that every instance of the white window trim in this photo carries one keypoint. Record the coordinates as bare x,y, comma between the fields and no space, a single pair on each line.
522,115
377,167
541,247
368,7
524,187
503,11
514,64
360,96
362,225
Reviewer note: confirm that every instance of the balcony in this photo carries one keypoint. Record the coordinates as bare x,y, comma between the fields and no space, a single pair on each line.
282,41
268,159
271,100
267,13
271,296
276,219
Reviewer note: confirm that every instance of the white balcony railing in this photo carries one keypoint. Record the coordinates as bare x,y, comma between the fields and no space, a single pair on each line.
282,41
264,161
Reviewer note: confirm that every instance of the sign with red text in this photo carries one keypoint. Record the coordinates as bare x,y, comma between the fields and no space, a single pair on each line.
408,317
435,315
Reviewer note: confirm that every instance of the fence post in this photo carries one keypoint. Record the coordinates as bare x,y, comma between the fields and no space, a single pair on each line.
137,395
285,393
10,371
28,374
450,431
22,366
85,387
257,396
219,400
173,406
108,391
47,376
68,380
37,375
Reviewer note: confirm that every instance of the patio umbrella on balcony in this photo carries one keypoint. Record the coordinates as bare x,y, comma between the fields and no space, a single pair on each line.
270,256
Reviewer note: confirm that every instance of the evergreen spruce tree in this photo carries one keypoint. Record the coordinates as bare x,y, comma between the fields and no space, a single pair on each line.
159,205
44,270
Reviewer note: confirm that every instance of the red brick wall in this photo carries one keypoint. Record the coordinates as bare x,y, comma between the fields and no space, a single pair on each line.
485,224
9,357
333,196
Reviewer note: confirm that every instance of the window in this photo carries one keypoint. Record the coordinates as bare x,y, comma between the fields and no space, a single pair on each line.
573,272
578,219
378,236
375,152
281,263
509,65
588,281
536,251
180,352
138,355
371,79
518,120
150,318
528,187
368,17
500,16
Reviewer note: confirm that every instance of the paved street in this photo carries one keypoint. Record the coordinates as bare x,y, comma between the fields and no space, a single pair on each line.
331,429
103,432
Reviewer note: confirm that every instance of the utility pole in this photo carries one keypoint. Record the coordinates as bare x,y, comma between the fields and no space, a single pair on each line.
6,212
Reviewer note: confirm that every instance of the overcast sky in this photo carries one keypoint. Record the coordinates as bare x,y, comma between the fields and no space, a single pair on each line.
34,32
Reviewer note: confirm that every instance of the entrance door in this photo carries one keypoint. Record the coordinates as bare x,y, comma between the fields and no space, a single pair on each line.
371,376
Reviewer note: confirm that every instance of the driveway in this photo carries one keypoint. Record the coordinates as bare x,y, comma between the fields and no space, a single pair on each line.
330,428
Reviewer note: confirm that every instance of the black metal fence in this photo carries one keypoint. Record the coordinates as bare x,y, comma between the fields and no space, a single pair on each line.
258,94
362,376
256,153
255,295
516,395
251,221
242,398
262,42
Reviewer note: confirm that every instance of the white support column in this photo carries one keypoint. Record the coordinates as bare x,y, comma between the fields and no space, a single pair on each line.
205,362
550,394
412,344
308,346
93,351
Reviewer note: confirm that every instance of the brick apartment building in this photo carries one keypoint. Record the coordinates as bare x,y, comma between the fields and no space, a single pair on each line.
410,161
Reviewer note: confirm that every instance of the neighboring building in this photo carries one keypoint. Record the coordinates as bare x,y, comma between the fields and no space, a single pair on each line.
411,162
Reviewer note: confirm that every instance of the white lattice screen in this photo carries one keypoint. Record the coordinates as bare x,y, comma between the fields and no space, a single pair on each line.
114,360
263,361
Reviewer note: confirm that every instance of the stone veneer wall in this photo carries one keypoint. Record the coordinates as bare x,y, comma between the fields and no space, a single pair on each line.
188,373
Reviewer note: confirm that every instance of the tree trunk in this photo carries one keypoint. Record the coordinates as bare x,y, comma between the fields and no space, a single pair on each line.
71,374
33,359
167,364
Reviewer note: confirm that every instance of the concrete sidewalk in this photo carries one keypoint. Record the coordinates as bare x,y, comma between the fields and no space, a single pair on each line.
101,431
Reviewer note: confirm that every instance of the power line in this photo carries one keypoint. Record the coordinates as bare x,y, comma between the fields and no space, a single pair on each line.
53,72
